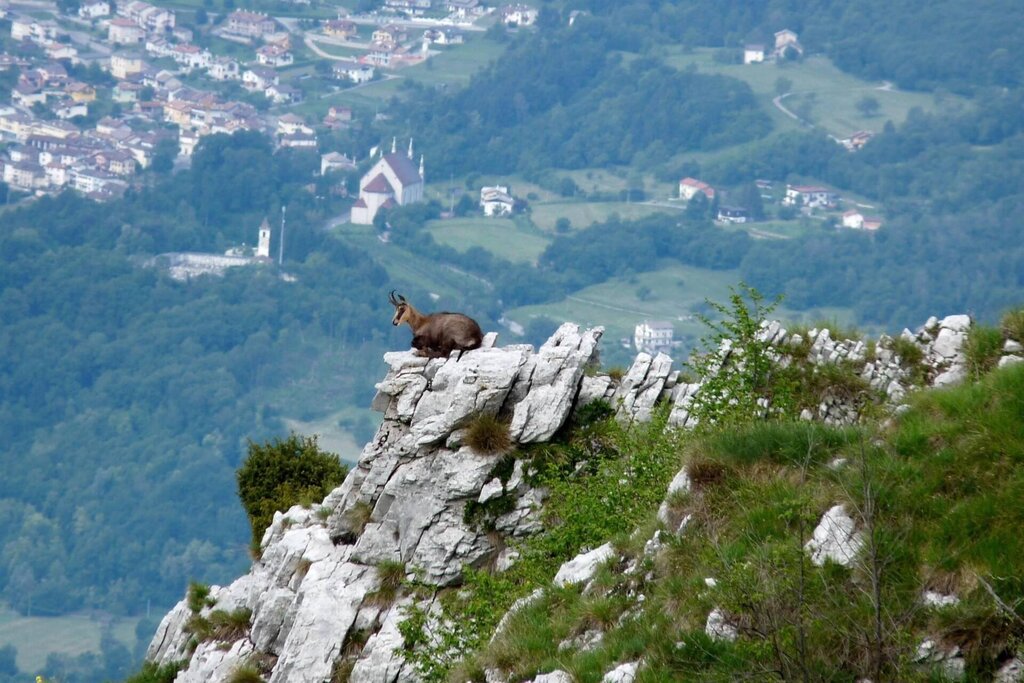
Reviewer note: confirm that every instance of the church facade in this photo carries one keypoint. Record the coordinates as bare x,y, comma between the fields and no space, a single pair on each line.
393,180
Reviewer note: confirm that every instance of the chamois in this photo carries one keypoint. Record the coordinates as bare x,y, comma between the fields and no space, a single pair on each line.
438,334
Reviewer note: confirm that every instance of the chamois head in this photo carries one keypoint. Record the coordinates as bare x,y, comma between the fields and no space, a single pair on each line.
402,308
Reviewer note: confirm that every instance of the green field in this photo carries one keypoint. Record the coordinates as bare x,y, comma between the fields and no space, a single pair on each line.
72,634
455,64
407,269
500,236
832,94
583,214
674,293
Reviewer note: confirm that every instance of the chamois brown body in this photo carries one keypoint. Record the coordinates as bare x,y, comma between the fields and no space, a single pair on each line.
436,334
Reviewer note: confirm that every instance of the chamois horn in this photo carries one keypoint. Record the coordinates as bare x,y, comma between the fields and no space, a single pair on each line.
396,301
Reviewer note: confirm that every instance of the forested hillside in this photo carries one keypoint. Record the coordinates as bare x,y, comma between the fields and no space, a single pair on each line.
126,398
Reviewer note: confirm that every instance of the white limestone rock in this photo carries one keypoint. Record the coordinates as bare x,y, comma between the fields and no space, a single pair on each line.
835,538
212,664
476,383
582,568
506,558
936,599
556,676
492,489
584,642
381,660
170,642
1009,360
623,673
553,383
949,662
682,398
593,389
641,386
679,484
1011,672
1012,346
718,626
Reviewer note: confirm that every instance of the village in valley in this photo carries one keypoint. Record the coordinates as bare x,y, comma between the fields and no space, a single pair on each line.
100,92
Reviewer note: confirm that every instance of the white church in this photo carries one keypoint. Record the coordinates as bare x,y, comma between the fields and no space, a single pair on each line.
393,180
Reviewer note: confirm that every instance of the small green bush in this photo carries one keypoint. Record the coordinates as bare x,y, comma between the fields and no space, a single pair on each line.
487,434
278,474
983,348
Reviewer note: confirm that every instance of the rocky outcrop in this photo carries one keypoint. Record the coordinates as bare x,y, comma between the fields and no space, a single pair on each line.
314,589
314,594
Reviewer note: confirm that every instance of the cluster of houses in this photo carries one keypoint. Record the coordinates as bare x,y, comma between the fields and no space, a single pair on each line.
807,198
787,43
54,155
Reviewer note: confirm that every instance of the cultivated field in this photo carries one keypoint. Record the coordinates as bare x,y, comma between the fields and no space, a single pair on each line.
831,95
72,634
500,236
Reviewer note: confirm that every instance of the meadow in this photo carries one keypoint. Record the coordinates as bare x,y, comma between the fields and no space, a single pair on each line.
72,634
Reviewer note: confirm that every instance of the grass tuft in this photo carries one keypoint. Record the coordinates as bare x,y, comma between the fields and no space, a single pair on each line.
392,576
199,597
489,435
1012,325
983,347
246,673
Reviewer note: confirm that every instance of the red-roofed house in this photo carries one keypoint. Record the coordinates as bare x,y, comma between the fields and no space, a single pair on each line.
689,187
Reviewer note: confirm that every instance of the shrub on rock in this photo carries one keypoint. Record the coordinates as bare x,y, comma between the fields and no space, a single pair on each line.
278,474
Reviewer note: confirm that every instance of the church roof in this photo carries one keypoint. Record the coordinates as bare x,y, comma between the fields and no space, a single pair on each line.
379,185
403,167
360,204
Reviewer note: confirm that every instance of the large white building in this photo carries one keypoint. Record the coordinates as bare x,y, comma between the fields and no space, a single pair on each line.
394,179
653,336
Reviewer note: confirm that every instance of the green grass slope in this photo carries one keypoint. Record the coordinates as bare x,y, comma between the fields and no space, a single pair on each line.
936,495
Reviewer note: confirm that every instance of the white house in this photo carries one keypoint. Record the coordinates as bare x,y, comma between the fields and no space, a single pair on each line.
394,179
274,55
353,71
224,69
335,161
125,32
689,187
520,15
94,10
811,196
496,200
259,78
787,40
753,54
653,336
855,220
